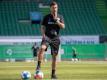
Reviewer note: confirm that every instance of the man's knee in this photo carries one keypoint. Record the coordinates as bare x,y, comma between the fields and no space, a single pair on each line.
54,56
42,49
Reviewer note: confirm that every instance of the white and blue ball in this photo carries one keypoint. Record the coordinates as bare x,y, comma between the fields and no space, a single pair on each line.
25,75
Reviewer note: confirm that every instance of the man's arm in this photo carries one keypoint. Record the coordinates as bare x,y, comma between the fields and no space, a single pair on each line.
43,31
60,24
59,21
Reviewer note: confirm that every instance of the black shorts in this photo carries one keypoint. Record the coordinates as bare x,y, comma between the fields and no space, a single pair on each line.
74,56
34,54
54,44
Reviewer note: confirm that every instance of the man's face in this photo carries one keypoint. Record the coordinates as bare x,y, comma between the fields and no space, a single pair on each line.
54,8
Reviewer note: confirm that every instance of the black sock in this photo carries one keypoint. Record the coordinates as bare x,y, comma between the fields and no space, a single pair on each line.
53,72
38,65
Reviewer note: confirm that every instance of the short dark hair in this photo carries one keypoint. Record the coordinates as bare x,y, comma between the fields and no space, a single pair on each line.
53,3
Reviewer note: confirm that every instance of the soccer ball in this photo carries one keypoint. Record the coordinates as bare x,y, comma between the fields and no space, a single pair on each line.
38,75
25,75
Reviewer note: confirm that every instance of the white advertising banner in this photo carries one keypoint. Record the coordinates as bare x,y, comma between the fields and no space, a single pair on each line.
64,39
80,39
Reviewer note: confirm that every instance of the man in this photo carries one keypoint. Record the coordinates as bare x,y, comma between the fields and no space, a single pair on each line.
35,49
74,54
51,25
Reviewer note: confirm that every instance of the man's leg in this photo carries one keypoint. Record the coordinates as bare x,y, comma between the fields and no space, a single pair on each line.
53,64
40,56
54,51
53,75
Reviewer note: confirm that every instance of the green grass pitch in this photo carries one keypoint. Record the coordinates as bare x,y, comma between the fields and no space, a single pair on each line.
66,70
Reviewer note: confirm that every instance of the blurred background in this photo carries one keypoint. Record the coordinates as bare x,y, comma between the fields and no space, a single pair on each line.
85,30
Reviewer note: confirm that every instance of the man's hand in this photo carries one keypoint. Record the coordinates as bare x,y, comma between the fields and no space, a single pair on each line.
57,20
61,25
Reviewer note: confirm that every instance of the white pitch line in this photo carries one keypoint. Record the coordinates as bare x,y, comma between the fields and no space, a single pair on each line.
67,64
